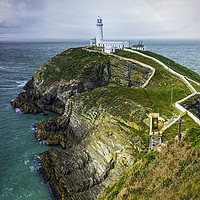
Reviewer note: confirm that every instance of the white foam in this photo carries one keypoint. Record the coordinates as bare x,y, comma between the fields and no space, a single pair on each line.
17,110
32,168
21,83
32,128
42,142
26,162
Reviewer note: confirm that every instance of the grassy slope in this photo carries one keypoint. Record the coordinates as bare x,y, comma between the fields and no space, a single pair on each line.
157,97
116,100
173,130
159,175
172,173
175,66
196,87
120,102
160,87
68,65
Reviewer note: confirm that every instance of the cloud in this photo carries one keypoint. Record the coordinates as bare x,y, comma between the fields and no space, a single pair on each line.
77,18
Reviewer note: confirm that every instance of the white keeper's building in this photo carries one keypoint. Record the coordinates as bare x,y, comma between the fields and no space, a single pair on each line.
109,46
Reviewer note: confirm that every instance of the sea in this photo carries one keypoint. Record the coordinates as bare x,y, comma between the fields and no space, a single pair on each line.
19,175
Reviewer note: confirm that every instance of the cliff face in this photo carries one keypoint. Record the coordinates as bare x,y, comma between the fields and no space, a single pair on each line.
33,101
75,71
105,140
103,124
101,127
193,105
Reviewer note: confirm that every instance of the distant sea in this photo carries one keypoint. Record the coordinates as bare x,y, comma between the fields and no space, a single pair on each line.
19,176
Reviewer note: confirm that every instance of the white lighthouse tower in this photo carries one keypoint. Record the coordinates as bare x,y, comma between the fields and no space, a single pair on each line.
108,46
99,37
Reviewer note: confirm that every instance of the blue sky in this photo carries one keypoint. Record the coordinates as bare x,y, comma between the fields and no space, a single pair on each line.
122,19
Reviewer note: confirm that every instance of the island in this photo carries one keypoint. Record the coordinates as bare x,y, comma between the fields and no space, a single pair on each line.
104,101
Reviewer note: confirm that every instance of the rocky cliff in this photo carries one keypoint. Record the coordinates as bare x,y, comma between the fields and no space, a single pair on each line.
101,142
75,71
101,126
171,171
103,123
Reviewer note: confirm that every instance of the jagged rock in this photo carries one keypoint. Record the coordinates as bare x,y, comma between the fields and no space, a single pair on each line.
101,127
33,101
193,105
75,71
102,144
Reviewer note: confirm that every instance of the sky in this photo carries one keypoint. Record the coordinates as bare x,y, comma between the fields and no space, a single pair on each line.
122,19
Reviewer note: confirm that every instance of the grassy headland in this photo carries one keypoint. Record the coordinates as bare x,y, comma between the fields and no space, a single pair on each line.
68,65
172,173
175,66
111,123
159,89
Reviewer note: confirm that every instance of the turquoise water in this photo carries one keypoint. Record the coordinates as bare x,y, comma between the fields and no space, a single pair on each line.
18,166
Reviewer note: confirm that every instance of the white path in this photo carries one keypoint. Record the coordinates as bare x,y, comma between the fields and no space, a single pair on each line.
177,105
193,81
191,88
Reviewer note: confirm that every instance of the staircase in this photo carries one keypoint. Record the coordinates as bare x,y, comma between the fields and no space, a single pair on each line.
154,141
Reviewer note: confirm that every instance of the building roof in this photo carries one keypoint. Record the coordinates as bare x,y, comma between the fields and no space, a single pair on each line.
113,42
138,45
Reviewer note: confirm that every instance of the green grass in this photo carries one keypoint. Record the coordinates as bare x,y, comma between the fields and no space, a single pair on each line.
71,64
172,173
162,78
193,137
173,130
113,190
160,87
173,65
120,101
113,97
196,87
140,58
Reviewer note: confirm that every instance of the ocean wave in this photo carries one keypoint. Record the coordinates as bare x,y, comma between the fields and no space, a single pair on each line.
32,168
21,83
41,142
33,128
26,162
17,110
37,162
7,88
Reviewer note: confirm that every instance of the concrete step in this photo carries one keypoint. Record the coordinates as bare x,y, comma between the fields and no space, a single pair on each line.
155,140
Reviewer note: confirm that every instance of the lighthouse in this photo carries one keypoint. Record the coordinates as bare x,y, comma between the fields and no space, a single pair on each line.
108,46
99,37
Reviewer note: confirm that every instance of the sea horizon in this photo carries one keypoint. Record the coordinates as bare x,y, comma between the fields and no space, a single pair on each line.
181,50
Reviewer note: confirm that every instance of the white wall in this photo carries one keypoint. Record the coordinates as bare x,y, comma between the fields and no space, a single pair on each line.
99,37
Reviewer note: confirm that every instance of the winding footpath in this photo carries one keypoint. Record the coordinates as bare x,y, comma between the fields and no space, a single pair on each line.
185,79
177,105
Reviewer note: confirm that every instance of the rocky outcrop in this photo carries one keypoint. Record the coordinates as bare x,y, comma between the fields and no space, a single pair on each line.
33,101
193,105
101,128
101,143
169,171
76,71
